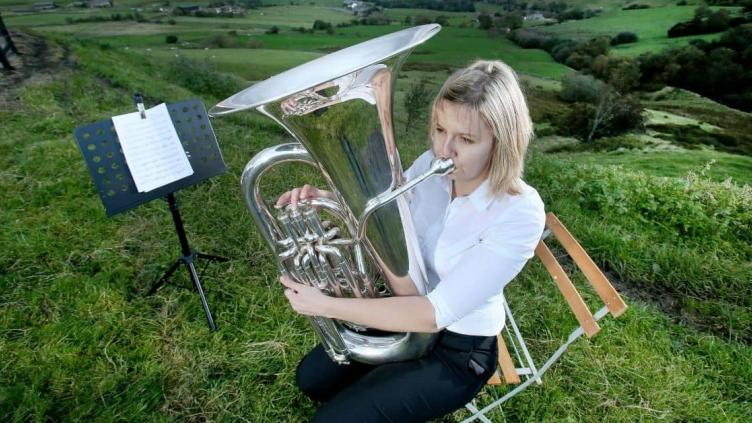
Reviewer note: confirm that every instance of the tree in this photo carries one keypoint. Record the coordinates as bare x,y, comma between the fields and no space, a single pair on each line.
416,101
624,74
578,87
624,37
171,39
610,114
512,20
318,24
578,61
485,21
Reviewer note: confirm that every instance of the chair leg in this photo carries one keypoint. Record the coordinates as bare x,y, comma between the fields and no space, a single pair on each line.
520,340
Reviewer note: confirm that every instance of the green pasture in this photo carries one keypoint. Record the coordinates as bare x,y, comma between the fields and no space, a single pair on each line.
454,18
49,18
328,3
715,165
650,25
281,16
82,341
250,64
457,45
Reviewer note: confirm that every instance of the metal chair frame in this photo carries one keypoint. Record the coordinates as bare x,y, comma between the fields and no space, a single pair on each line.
588,322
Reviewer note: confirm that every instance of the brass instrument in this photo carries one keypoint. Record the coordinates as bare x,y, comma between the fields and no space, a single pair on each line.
338,109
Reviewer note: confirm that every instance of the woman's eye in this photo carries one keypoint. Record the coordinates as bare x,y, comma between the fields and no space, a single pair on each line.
467,140
440,130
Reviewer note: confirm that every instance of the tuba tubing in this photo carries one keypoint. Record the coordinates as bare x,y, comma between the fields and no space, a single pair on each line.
338,109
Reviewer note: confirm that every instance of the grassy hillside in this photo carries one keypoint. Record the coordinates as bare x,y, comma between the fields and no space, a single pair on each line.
81,341
650,25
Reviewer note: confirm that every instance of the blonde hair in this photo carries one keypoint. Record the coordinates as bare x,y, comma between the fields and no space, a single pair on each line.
491,88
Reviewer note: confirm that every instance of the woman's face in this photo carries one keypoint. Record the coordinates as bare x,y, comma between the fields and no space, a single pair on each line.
459,133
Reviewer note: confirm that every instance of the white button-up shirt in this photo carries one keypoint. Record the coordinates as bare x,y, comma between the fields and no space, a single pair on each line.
472,246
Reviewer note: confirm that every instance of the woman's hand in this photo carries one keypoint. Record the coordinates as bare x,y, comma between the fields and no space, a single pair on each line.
306,192
305,299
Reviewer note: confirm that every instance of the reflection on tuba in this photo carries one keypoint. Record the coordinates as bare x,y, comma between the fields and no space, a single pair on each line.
338,108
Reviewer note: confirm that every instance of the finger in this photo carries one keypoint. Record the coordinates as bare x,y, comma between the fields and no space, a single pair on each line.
283,199
294,197
289,283
305,192
309,192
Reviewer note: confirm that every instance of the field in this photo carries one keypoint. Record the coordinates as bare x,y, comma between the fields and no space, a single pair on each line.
650,25
669,222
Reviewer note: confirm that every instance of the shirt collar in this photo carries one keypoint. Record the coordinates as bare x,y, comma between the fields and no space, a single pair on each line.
481,198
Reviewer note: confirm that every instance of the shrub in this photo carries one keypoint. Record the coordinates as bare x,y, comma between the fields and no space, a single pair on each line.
609,115
222,41
695,208
531,38
318,24
578,87
578,61
485,21
202,77
416,101
273,30
626,115
623,74
636,6
171,39
624,37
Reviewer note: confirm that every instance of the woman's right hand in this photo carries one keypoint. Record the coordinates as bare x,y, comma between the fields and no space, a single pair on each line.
306,192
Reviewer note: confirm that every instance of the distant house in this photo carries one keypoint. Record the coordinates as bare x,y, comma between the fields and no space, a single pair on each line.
356,6
536,16
100,3
45,5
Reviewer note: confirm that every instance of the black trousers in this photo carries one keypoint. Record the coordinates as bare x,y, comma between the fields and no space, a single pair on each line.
447,378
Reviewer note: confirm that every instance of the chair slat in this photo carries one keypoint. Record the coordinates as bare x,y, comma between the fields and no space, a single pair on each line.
495,379
506,364
597,279
567,288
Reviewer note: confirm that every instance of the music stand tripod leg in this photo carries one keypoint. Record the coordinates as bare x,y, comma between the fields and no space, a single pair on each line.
165,278
200,289
210,257
188,258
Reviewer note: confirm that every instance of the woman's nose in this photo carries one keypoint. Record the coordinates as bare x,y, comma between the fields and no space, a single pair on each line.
447,149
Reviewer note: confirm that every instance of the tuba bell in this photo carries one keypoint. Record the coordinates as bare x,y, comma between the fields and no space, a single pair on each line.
338,109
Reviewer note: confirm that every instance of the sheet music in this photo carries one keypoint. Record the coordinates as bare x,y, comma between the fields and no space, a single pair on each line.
152,148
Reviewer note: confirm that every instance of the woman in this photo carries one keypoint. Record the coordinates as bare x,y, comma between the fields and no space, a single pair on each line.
477,228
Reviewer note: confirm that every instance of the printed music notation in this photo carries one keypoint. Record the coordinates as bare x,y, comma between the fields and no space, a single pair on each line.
152,148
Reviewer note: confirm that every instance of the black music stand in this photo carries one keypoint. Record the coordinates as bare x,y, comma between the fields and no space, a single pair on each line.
100,147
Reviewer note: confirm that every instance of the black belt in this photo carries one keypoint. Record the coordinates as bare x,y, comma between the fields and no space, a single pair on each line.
461,341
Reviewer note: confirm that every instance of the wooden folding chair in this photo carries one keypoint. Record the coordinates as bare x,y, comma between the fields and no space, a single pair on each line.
588,322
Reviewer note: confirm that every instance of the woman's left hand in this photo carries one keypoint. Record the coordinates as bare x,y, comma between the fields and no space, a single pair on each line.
305,299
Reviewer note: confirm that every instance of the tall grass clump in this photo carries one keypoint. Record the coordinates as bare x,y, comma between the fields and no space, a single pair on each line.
686,241
202,77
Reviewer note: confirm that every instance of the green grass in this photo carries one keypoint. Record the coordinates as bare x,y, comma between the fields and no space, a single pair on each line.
459,46
81,341
677,164
650,25
250,64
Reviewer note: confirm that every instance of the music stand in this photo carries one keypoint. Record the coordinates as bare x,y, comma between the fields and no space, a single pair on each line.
100,147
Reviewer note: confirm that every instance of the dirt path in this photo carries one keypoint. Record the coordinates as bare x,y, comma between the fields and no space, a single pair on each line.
40,59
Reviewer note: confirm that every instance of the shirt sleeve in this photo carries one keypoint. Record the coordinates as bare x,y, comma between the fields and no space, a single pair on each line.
484,270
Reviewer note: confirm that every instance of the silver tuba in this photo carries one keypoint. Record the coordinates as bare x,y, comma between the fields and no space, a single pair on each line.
338,108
